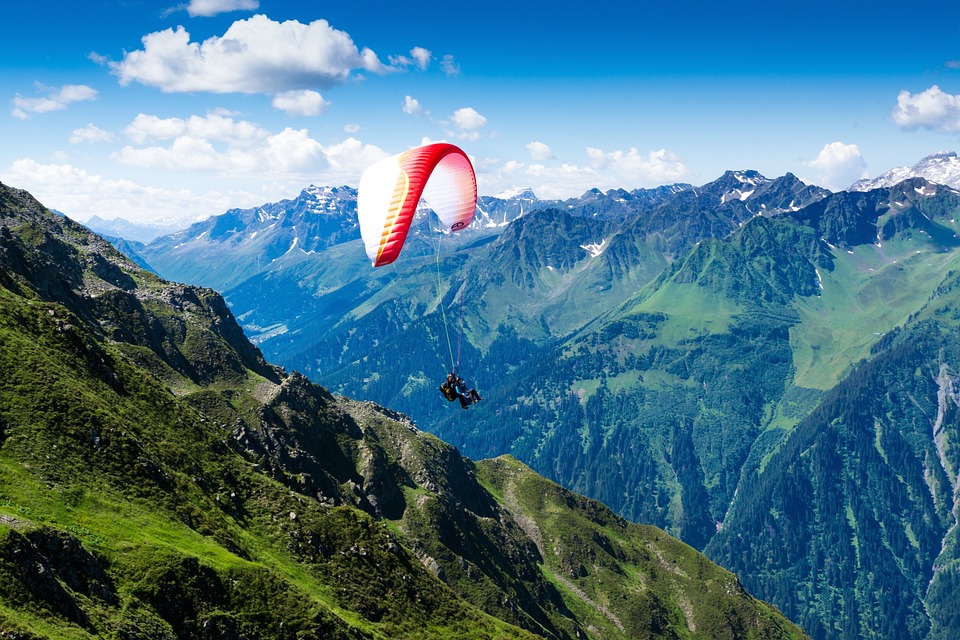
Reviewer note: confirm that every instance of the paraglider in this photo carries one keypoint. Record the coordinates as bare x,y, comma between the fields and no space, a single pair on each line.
390,190
387,199
454,388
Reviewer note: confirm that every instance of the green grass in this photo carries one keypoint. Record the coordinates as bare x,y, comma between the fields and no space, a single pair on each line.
692,310
608,570
134,475
870,292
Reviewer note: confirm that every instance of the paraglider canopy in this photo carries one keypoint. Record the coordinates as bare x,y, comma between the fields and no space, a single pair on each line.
391,189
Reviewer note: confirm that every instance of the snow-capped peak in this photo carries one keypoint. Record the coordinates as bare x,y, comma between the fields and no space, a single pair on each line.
516,193
942,167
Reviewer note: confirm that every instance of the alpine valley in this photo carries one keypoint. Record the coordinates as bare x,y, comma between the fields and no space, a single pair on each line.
762,368
765,369
159,479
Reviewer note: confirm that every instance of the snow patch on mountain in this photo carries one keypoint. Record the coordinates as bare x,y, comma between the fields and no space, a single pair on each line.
736,194
942,167
594,249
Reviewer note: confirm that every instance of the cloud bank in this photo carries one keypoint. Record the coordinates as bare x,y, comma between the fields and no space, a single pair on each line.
604,170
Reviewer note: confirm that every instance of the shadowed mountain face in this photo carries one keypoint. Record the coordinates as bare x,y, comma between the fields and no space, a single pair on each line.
160,479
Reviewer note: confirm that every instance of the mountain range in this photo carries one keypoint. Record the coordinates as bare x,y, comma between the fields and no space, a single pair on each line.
160,479
716,360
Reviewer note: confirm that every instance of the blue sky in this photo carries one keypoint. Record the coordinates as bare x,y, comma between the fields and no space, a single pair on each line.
153,110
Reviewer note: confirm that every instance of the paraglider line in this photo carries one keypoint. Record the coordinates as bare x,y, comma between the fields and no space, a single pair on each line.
454,364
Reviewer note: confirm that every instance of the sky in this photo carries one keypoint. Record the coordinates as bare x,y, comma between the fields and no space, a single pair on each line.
166,112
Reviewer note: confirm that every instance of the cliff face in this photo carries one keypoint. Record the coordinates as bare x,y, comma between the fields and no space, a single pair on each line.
160,479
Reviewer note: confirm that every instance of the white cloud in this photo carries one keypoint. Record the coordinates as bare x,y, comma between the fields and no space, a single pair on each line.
468,122
348,159
256,55
449,66
217,126
604,170
238,148
837,166
539,151
90,133
81,195
422,56
419,57
300,103
351,127
656,168
930,109
278,166
208,8
291,150
413,107
54,100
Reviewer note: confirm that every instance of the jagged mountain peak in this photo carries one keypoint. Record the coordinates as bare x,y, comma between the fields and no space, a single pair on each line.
942,167
733,185
329,200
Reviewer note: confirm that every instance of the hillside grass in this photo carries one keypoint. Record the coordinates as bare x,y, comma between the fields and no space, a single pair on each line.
624,578
95,448
871,291
692,310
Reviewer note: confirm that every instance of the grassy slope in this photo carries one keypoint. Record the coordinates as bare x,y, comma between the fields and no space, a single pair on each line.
871,291
624,577
114,471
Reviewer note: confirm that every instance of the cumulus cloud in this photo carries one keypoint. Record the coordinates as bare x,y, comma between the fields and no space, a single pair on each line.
468,122
256,55
348,159
539,151
413,107
300,103
226,145
931,109
218,143
90,133
266,170
208,8
422,56
56,99
449,66
218,126
837,166
419,57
